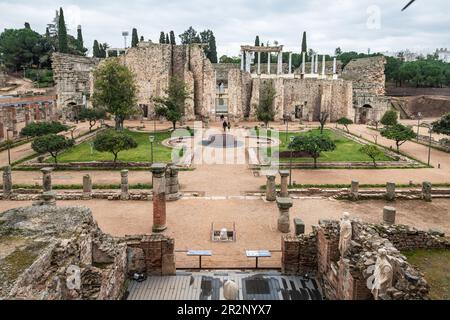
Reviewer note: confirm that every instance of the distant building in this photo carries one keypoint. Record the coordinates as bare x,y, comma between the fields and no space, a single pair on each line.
405,55
443,54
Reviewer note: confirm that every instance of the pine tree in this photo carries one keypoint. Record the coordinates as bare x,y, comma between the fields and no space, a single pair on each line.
96,50
257,44
27,26
167,39
134,38
304,44
80,42
172,38
62,33
162,38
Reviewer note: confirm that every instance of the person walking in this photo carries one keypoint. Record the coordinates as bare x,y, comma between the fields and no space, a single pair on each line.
229,125
225,126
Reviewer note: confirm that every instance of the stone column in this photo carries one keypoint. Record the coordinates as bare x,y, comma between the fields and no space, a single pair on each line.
248,61
334,65
290,62
284,204
242,60
124,194
427,191
259,62
323,65
280,63
284,183
87,187
7,183
271,188
47,179
312,65
269,58
303,62
390,191
354,193
172,184
389,215
316,65
159,197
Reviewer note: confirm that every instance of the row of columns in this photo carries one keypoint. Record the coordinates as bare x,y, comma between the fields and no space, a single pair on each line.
390,195
315,65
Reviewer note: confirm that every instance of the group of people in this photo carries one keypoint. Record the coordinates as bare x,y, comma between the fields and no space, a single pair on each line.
225,123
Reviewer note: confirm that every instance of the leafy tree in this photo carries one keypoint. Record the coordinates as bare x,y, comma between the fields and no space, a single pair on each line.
338,51
304,43
313,145
399,133
52,144
442,126
27,25
96,50
115,90
37,129
226,59
134,38
265,110
172,38
371,151
190,36
162,38
345,122
390,118
207,37
92,115
323,118
172,107
114,142
103,48
63,45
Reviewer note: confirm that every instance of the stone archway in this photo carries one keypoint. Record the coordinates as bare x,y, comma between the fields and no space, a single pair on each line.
364,113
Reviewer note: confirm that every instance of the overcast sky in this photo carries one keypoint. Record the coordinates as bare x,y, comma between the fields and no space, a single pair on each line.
349,24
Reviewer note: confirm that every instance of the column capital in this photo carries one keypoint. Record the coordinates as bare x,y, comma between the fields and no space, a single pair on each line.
158,168
47,170
284,203
284,173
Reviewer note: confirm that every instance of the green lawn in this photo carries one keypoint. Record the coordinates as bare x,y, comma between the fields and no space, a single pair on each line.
346,150
435,264
83,153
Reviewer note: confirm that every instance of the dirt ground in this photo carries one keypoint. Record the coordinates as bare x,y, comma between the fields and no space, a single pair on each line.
190,222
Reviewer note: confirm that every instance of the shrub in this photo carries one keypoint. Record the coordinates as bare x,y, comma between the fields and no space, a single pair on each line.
313,145
38,129
114,142
390,118
53,144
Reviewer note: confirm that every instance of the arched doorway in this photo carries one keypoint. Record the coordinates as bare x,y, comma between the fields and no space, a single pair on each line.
364,113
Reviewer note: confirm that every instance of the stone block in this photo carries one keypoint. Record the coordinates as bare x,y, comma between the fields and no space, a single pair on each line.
299,226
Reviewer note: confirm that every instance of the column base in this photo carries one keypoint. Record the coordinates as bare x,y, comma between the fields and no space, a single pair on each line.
174,197
159,229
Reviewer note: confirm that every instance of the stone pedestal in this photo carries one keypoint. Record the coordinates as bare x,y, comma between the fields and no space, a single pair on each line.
354,193
427,188
299,227
284,183
47,179
390,191
172,184
389,215
124,189
7,183
284,204
271,188
159,197
87,187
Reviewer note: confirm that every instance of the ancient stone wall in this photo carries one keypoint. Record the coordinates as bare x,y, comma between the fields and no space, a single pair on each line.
299,254
73,78
239,93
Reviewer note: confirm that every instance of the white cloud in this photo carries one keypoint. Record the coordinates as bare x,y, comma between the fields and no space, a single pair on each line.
344,23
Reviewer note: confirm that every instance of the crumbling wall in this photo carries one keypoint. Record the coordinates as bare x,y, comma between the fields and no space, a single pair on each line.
367,75
239,93
299,254
73,78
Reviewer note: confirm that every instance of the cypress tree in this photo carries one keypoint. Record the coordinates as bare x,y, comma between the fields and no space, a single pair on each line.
134,38
47,33
212,49
257,44
27,26
96,50
172,38
80,41
62,33
304,44
167,39
162,38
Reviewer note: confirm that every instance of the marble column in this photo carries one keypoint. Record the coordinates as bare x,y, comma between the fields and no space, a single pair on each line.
354,193
312,64
242,60
271,188
323,65
248,61
124,192
47,179
316,65
389,215
259,62
284,183
280,63
290,62
159,197
7,183
427,188
334,65
390,191
303,62
284,204
87,186
269,58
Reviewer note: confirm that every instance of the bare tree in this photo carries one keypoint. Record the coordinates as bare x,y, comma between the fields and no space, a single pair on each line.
323,120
